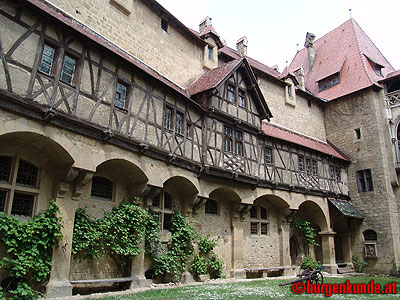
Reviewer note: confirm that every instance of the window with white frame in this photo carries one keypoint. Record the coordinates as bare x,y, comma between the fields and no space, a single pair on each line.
18,186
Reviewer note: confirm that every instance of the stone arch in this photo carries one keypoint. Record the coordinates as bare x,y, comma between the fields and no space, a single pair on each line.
313,212
35,147
225,194
52,160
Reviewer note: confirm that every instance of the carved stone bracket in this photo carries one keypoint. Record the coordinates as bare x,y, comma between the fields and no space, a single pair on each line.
149,193
83,178
242,209
287,214
107,135
197,202
75,178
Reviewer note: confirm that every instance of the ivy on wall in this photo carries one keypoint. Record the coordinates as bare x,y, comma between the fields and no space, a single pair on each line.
120,232
305,228
29,247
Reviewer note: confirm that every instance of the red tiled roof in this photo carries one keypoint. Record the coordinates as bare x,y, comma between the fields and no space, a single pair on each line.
208,29
282,133
345,49
392,75
213,78
253,63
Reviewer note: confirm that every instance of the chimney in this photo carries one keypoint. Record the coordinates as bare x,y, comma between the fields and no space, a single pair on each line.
241,46
204,23
309,44
300,78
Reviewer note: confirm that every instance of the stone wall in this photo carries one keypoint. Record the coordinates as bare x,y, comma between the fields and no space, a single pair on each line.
171,53
364,110
301,117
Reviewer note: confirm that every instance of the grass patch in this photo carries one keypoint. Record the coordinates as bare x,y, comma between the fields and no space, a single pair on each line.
266,289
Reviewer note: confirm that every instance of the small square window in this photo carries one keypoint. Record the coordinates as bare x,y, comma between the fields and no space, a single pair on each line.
102,188
231,93
5,168
3,198
164,25
358,133
308,166
189,130
168,118
120,95
167,224
211,207
179,123
22,204
314,167
210,52
264,229
242,98
253,212
268,156
46,62
27,174
301,163
167,201
68,69
263,213
364,181
254,228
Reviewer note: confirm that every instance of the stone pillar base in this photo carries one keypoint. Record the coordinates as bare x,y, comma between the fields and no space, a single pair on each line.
138,281
289,271
238,273
56,289
332,269
187,278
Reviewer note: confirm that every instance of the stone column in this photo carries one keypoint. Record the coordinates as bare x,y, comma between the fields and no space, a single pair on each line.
67,195
137,270
284,247
328,252
237,244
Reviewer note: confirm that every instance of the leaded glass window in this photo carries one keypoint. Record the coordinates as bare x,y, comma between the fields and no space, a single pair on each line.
120,95
46,62
68,69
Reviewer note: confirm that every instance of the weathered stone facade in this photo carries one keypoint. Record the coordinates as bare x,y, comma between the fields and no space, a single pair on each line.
158,110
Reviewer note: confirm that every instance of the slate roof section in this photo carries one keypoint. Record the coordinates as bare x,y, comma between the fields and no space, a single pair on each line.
346,208
346,48
283,133
211,79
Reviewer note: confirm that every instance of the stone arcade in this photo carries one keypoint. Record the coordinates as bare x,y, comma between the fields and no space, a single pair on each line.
103,103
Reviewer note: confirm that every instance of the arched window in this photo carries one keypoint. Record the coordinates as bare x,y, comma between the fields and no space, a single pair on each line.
370,239
18,186
211,207
102,188
370,235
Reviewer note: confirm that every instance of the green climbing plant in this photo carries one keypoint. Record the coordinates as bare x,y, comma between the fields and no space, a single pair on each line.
305,227
117,235
180,247
29,246
152,234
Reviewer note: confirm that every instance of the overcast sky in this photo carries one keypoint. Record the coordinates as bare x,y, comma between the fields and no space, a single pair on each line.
273,28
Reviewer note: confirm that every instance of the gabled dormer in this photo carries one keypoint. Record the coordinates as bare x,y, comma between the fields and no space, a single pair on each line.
211,37
231,90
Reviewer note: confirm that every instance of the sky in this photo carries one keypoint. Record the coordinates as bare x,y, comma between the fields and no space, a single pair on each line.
274,28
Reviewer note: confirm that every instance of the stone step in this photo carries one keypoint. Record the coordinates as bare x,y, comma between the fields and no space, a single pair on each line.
345,270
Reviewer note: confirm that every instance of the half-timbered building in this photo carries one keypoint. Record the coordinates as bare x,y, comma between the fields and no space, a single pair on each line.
92,115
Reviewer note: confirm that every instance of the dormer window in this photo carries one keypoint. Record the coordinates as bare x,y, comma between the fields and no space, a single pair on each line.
378,70
329,82
210,50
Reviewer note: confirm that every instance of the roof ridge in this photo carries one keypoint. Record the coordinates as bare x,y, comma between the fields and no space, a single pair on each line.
295,132
373,43
360,51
